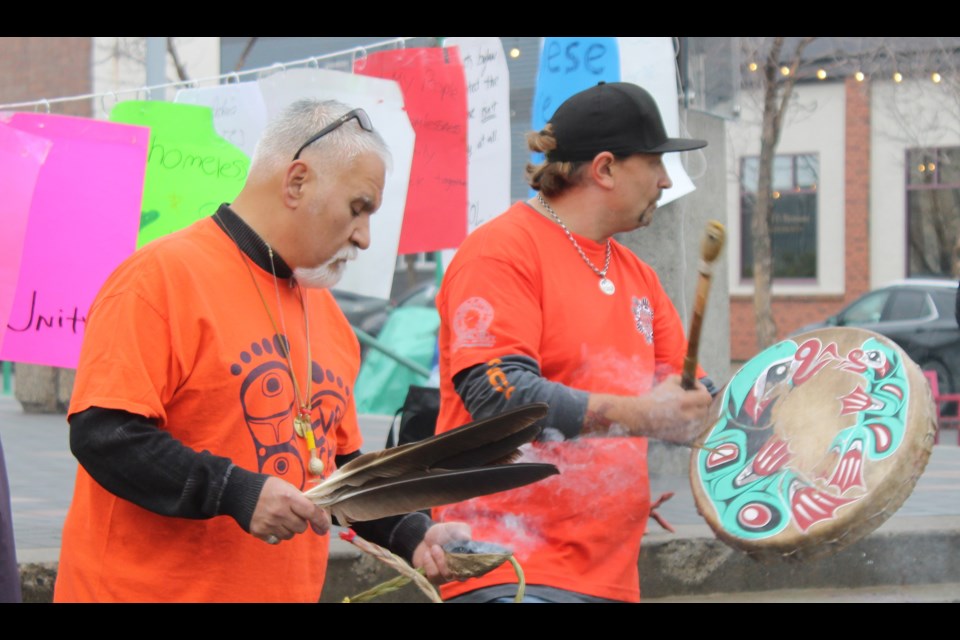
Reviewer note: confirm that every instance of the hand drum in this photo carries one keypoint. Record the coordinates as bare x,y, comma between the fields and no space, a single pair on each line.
814,443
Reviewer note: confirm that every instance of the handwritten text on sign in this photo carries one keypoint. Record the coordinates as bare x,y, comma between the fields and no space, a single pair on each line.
568,66
190,169
434,92
239,113
488,127
83,223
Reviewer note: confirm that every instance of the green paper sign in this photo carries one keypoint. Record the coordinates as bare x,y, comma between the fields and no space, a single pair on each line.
190,169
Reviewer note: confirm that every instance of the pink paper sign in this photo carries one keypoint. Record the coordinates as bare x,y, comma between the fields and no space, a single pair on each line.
21,156
435,96
83,222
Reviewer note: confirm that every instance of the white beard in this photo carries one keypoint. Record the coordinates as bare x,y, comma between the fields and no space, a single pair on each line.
327,274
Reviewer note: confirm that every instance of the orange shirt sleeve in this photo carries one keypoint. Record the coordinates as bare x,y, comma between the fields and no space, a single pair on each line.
494,310
125,362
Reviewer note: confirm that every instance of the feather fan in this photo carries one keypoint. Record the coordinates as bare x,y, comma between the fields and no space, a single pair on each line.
422,490
469,461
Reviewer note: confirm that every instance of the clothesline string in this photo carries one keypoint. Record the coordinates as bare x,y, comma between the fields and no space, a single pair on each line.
358,52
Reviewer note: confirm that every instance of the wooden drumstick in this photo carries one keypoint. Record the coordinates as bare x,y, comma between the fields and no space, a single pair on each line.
710,247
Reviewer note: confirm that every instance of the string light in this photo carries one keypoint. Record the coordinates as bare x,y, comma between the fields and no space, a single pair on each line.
821,73
859,76
897,77
514,52
935,77
752,66
784,71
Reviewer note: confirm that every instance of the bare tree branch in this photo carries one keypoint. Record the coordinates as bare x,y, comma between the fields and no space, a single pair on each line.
242,60
924,112
777,89
172,50
789,81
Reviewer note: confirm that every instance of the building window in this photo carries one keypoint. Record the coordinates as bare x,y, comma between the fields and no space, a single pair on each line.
794,223
933,210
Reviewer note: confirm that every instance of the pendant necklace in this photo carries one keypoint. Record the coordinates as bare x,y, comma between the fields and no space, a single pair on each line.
301,420
606,285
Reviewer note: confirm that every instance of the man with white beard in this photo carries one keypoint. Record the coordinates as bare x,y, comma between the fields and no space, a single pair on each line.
215,384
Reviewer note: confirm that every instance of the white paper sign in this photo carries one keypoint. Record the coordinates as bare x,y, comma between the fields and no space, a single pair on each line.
488,127
372,273
239,114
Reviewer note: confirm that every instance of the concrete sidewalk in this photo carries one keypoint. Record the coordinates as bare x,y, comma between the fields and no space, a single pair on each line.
919,546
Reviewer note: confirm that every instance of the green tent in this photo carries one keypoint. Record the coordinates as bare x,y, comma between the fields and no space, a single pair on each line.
383,382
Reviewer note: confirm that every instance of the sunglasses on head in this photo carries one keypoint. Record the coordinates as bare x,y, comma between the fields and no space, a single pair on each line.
362,119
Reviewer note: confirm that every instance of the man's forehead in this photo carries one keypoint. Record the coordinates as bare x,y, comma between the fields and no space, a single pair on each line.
368,174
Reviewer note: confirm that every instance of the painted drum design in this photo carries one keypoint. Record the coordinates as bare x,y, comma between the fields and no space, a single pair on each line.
814,443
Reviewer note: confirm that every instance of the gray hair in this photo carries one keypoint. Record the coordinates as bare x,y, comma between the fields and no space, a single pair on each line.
304,118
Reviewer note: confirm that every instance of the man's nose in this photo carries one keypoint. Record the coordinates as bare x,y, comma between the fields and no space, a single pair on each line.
665,181
361,233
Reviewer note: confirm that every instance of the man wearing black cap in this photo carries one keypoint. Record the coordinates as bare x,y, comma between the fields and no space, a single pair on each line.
543,304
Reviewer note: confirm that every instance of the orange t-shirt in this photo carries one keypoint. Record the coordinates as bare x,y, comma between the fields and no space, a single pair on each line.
517,286
179,334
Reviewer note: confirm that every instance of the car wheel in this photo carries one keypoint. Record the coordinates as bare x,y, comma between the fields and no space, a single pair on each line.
944,379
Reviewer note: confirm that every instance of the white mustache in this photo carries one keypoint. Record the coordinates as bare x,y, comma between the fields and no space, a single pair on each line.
347,253
327,274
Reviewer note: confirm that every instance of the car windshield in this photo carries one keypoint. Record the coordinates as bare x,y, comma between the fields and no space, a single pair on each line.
867,310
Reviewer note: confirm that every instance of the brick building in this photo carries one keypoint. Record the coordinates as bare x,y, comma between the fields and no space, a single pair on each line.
866,183
35,68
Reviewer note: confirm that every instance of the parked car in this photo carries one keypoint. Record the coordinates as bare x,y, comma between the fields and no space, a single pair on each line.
917,314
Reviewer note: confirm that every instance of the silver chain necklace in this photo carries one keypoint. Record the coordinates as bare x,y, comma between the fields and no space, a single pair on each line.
606,285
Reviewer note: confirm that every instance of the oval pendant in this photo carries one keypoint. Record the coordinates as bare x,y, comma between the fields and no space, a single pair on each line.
301,424
607,286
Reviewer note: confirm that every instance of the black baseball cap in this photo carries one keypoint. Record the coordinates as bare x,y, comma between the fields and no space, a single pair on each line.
618,117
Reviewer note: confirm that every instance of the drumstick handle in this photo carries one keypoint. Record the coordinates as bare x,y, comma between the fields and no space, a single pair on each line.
688,379
709,250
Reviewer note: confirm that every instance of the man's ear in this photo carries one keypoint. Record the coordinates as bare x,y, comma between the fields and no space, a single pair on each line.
294,181
601,169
